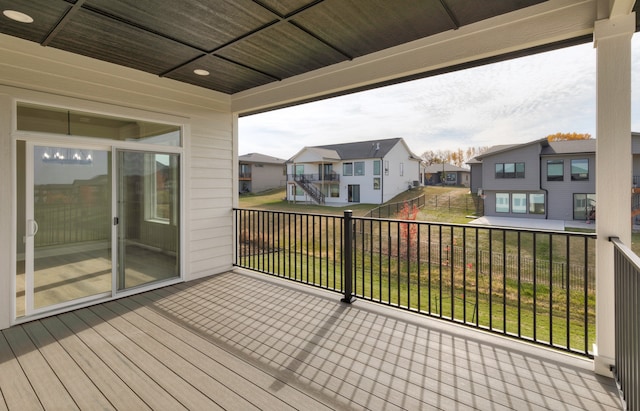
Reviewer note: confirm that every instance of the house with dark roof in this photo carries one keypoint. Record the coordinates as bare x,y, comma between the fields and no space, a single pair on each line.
371,172
259,172
446,174
541,179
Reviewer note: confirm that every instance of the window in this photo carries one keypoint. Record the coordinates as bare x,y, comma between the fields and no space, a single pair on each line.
401,169
376,167
536,203
584,206
579,169
555,170
335,190
376,183
358,168
158,186
509,170
386,167
347,169
519,203
502,202
299,169
452,178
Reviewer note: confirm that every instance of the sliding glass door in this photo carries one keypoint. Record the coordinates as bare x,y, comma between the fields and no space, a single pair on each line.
68,226
148,218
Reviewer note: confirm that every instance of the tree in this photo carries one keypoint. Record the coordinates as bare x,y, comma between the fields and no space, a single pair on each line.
568,136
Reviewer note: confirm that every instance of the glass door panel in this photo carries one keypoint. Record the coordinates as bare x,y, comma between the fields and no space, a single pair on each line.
148,218
68,225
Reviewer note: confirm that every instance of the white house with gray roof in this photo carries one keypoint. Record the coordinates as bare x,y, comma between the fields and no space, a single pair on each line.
370,172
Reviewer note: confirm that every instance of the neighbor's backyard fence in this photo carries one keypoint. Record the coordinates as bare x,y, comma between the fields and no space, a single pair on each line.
471,204
533,285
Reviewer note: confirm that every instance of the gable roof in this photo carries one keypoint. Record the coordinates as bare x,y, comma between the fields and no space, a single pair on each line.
357,150
260,158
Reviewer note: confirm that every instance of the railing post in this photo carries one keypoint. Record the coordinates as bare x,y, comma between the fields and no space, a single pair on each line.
347,257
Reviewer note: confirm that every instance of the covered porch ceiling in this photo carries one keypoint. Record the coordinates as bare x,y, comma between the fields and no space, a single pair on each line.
267,53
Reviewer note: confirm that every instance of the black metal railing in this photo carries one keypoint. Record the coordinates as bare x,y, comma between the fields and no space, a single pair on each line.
317,178
533,285
627,323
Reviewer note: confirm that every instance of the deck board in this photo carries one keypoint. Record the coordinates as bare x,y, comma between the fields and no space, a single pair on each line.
242,341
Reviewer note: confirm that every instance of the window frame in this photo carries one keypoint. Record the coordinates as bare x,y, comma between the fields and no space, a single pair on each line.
555,177
358,168
508,203
579,176
349,167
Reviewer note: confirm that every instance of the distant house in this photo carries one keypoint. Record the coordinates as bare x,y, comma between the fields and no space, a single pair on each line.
453,175
259,172
538,179
363,172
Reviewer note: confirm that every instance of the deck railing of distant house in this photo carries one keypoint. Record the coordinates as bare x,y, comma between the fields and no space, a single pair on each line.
627,324
532,285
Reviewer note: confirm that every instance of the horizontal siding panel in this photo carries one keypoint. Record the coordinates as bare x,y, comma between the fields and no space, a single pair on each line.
203,224
222,142
221,241
199,204
210,172
212,153
206,269
208,163
211,252
211,193
222,232
222,214
202,183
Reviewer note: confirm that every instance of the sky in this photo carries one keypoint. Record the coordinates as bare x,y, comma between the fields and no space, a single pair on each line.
514,101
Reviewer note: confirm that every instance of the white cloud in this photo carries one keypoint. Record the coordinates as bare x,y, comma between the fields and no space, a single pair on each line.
509,102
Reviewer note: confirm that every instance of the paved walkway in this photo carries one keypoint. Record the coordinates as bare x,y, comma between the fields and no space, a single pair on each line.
532,223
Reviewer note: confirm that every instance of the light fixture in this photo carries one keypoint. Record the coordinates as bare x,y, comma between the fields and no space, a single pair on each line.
67,156
201,72
17,16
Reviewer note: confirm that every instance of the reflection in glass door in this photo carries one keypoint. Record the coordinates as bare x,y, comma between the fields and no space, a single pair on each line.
68,227
148,218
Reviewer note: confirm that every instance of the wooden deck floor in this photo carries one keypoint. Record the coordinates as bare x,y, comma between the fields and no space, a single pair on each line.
242,341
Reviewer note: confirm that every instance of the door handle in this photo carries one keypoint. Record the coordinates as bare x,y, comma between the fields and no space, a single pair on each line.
34,228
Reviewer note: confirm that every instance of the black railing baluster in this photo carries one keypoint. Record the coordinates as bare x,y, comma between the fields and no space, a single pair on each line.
504,281
490,279
551,289
519,286
535,288
347,255
478,261
567,294
419,267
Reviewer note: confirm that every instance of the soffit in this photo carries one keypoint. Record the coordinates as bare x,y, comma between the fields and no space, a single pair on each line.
243,43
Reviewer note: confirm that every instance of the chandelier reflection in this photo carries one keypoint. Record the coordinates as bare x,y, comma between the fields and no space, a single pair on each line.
67,156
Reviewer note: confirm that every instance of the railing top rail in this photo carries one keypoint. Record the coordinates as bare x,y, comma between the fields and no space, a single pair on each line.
435,223
490,227
626,251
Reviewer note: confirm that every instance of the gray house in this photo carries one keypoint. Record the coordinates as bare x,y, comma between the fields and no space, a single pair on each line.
538,179
542,179
259,172
453,175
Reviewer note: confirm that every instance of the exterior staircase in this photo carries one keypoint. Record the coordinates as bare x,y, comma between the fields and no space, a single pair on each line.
309,188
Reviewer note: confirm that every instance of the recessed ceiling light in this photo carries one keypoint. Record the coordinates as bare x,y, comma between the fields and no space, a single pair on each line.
18,16
201,72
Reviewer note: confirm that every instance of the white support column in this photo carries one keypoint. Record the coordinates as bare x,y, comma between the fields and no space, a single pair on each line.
7,224
612,39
